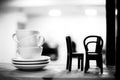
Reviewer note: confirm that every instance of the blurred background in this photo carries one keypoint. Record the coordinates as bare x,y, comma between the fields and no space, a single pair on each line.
55,19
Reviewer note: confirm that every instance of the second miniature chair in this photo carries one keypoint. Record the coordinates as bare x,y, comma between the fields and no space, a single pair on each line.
95,53
71,54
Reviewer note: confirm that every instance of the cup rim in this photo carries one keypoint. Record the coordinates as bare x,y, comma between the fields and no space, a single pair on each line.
31,47
27,30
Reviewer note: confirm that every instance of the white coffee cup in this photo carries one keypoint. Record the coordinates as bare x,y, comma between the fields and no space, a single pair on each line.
31,41
30,52
21,34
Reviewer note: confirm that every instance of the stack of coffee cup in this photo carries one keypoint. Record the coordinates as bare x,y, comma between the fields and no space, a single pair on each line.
29,43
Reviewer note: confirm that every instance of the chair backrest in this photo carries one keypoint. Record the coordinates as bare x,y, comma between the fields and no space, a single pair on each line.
69,45
98,41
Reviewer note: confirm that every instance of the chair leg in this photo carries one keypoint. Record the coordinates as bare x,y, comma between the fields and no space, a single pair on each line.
101,65
98,63
86,66
82,64
78,62
67,65
101,69
70,63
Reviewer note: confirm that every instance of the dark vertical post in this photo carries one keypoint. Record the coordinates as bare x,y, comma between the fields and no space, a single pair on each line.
118,41
110,41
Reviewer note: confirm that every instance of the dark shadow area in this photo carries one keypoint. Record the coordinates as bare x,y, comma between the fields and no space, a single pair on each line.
3,77
52,52
47,78
110,37
4,3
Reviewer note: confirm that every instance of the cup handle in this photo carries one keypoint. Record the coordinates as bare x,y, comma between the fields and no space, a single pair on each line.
14,37
41,40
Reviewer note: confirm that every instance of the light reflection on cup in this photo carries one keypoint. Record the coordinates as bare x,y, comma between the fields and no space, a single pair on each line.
30,52
31,41
21,34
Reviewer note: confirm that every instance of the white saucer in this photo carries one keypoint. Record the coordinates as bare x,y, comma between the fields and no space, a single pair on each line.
41,58
29,67
30,63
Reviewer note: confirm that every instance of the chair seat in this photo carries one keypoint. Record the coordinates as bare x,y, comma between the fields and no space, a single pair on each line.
92,53
93,57
74,55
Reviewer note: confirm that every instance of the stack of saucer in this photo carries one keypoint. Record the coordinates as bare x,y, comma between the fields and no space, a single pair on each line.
30,64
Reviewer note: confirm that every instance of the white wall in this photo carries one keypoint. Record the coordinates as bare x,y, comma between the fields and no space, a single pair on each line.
8,26
54,29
